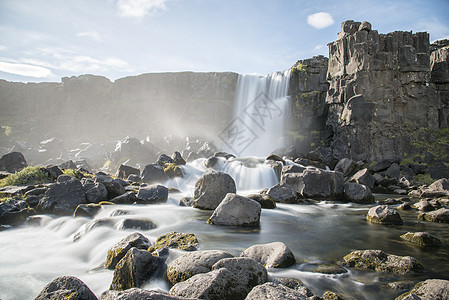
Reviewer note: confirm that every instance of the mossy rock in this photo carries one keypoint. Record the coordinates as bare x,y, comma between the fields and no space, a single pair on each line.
422,239
172,170
177,240
116,253
332,296
27,176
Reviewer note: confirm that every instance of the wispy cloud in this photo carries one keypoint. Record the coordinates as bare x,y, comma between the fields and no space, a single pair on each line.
436,29
139,8
90,34
25,70
320,20
3,48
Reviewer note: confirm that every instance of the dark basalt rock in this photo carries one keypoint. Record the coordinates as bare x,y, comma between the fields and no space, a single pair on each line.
12,162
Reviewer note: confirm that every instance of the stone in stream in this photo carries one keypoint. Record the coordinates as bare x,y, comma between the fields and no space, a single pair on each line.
63,197
265,200
152,194
95,192
358,193
177,240
283,193
126,198
295,284
271,255
66,287
211,188
236,210
177,159
439,216
116,253
153,173
383,214
439,188
137,224
425,205
192,263
381,261
215,285
86,210
273,291
135,269
13,211
138,293
422,239
430,289
247,271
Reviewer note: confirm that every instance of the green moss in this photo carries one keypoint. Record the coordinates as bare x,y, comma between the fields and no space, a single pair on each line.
298,68
172,170
27,176
183,241
424,179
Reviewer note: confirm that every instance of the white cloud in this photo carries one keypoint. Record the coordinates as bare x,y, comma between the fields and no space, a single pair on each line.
91,34
320,20
25,70
318,47
139,8
3,48
437,30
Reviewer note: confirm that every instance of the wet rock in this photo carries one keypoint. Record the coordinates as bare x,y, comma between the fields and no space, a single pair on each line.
153,173
215,285
275,158
134,269
211,162
430,289
382,214
186,201
137,224
316,183
273,291
116,253
236,210
295,284
124,171
283,193
332,296
13,212
192,263
86,210
12,162
95,192
427,205
103,222
114,188
177,159
152,194
358,193
177,240
380,261
292,169
138,293
247,271
211,189
325,269
271,255
265,200
134,178
225,155
126,198
422,239
164,159
404,206
440,216
401,285
63,197
66,287
172,170
363,177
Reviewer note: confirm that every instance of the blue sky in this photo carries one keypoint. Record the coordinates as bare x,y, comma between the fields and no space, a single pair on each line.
44,40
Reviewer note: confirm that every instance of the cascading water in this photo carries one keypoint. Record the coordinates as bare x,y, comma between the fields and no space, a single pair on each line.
259,115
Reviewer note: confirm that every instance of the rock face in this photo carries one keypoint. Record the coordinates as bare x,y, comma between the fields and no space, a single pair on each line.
380,261
63,197
426,290
211,189
184,267
236,210
66,287
12,162
376,122
382,214
272,255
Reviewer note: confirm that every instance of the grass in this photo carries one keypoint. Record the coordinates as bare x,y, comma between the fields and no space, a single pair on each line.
29,175
76,173
424,179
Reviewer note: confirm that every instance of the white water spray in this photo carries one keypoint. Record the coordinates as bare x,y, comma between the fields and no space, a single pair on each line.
261,104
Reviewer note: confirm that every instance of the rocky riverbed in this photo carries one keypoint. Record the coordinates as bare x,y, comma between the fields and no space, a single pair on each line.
221,227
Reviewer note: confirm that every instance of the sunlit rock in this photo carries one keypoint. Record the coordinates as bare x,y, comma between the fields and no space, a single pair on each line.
271,255
66,287
211,189
116,253
236,210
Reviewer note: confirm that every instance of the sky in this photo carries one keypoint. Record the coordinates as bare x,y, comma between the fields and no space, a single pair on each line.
45,40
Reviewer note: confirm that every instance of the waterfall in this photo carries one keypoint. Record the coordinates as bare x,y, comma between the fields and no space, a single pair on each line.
259,115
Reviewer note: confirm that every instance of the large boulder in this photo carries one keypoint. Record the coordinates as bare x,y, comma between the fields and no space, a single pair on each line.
439,216
13,211
124,171
134,269
271,255
345,166
265,200
153,173
116,253
273,291
430,289
177,159
177,240
66,287
248,272
236,210
363,177
211,188
422,239
63,197
152,194
358,193
439,188
215,285
192,263
95,192
138,293
316,183
12,162
383,214
381,261
283,193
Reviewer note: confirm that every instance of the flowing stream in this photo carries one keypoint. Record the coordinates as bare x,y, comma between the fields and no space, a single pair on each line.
318,233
